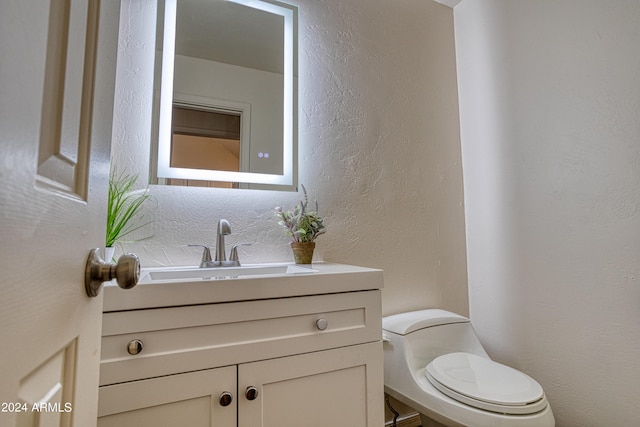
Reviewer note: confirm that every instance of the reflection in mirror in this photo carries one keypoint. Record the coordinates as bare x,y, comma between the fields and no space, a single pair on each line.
203,139
227,109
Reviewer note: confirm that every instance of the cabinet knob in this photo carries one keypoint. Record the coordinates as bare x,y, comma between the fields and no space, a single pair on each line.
226,398
251,393
322,324
134,347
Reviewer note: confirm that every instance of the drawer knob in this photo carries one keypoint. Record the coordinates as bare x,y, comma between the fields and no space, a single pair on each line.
226,398
251,393
322,324
134,347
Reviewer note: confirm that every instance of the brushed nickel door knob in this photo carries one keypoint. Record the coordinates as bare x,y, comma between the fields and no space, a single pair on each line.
97,271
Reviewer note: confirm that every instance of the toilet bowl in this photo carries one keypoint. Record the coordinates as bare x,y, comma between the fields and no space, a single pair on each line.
434,362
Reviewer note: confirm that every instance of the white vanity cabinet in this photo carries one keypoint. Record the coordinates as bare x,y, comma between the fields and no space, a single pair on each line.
305,360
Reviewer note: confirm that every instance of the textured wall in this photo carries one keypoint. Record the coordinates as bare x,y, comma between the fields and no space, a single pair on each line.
550,127
378,147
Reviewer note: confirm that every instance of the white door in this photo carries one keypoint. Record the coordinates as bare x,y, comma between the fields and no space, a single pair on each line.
57,72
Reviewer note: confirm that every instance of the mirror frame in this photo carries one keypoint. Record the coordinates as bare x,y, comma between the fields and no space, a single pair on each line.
286,181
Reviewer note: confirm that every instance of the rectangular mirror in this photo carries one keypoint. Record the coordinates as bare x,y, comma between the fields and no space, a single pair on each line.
227,105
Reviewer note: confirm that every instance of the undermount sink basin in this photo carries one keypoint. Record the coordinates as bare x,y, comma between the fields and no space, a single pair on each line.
190,273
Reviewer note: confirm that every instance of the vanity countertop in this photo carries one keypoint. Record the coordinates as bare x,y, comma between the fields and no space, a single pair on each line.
326,278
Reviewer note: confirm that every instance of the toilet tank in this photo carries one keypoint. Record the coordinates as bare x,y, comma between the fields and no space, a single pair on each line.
426,334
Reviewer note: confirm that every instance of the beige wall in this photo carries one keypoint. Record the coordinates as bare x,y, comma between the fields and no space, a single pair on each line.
379,149
550,124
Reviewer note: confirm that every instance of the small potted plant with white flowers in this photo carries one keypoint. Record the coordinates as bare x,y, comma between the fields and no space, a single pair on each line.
303,226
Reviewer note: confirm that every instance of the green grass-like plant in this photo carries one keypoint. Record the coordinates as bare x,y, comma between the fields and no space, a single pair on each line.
123,207
301,224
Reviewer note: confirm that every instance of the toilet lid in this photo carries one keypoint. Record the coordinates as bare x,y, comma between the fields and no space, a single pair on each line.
485,384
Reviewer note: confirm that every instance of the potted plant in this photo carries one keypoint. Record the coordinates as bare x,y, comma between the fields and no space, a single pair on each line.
123,206
303,226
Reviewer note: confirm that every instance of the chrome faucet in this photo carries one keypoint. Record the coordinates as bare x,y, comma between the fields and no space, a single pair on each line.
224,229
220,260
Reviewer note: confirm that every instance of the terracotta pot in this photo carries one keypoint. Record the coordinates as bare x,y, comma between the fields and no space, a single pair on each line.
303,252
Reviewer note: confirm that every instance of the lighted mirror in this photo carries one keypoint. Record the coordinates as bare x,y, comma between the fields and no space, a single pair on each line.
227,111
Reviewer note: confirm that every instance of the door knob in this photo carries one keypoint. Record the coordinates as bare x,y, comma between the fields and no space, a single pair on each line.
226,398
251,393
97,271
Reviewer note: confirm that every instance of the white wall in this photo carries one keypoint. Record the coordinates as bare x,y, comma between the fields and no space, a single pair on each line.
550,128
379,149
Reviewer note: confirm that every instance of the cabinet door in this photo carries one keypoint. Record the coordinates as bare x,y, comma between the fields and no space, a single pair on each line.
191,399
342,387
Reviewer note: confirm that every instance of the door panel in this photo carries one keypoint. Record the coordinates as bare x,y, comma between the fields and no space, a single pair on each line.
56,105
190,399
66,106
332,387
329,398
50,386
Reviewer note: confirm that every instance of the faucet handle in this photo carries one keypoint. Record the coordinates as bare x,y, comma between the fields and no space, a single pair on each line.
206,255
233,256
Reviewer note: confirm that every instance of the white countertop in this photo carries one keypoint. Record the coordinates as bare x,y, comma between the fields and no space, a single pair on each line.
328,278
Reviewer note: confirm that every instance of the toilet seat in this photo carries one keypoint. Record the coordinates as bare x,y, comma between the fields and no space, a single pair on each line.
484,384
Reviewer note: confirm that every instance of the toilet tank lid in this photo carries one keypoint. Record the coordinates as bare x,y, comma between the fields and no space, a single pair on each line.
405,323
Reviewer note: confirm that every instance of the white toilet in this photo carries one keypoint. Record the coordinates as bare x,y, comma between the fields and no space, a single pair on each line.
434,362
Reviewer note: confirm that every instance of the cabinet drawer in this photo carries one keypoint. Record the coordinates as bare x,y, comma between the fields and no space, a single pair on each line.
190,338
